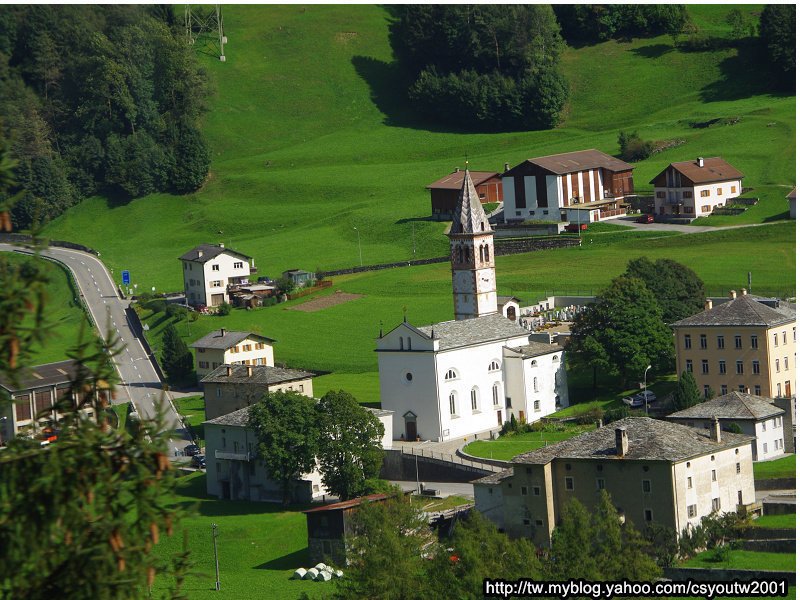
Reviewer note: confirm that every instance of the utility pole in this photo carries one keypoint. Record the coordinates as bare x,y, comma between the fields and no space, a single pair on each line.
413,240
214,535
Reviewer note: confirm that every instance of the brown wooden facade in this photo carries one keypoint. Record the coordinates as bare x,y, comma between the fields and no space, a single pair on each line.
444,197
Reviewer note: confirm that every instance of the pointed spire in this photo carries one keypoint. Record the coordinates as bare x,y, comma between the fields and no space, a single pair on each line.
469,216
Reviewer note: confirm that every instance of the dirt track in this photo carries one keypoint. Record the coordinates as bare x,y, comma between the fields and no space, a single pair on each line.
326,302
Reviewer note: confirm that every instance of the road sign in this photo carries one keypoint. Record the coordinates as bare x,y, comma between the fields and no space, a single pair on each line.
126,278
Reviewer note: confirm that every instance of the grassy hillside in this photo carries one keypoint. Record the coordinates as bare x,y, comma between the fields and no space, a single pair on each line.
311,138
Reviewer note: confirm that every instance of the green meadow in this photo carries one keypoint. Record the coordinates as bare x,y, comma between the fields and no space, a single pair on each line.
312,138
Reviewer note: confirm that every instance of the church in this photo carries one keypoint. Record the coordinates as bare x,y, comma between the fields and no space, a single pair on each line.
467,376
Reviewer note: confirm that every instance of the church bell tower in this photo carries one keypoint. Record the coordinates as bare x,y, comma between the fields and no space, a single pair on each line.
472,256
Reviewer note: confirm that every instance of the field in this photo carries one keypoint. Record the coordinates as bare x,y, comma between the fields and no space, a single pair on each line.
259,544
64,315
774,469
300,163
776,521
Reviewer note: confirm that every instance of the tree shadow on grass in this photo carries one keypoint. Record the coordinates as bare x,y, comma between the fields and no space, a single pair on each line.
389,85
784,216
295,560
416,220
653,51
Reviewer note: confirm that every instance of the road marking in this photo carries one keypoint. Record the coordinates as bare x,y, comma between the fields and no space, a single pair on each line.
135,367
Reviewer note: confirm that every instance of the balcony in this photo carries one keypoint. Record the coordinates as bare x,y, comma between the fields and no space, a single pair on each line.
220,455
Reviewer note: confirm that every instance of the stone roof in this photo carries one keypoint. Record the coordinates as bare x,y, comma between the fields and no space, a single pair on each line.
713,169
503,299
495,478
733,405
261,374
455,181
42,376
379,412
238,418
532,349
648,439
205,252
744,310
570,162
457,334
469,216
222,339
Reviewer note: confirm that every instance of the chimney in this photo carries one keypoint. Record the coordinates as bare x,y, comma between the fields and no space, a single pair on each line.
732,294
222,331
700,161
457,169
621,437
598,423
743,291
199,254
222,245
506,167
229,369
709,304
249,370
716,436
747,390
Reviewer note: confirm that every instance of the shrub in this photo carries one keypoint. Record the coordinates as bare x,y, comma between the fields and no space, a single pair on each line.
223,309
176,310
156,305
632,148
615,414
589,416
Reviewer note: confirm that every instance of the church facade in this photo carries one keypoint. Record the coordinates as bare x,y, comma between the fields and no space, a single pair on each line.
458,378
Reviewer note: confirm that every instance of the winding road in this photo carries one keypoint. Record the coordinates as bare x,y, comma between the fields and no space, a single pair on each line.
138,377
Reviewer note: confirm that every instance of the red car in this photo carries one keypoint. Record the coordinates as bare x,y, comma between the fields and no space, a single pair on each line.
575,227
645,218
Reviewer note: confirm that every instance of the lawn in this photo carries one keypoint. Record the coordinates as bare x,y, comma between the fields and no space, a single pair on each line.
439,504
299,162
259,544
745,559
776,521
772,206
193,409
508,446
64,313
775,469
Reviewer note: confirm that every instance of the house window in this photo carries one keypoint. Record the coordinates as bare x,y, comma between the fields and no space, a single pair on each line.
537,490
786,362
687,193
739,367
720,342
536,405
474,399
784,337
453,404
648,515
738,468
713,474
692,510
778,365
719,191
723,389
766,448
706,391
780,392
246,347
646,486
757,390
722,368
715,504
661,194
523,490
754,341
776,444
601,484
688,483
203,364
215,267
775,339
526,521
539,523
703,341
449,376
238,265
705,193
704,366
496,394
494,366
741,388
569,483
689,366
733,189
687,342
301,387
219,392
217,283
756,367
737,341
535,384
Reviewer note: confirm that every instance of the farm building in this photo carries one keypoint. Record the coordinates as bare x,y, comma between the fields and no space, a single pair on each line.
580,187
445,191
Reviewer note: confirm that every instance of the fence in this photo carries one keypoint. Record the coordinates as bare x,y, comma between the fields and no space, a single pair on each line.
450,458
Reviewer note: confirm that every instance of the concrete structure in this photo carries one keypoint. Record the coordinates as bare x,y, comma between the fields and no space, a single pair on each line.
790,198
329,526
656,472
208,270
231,387
234,471
580,187
445,191
33,399
458,378
223,347
753,415
693,188
747,343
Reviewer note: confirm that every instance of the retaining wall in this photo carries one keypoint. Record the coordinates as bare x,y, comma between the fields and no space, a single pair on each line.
399,466
785,483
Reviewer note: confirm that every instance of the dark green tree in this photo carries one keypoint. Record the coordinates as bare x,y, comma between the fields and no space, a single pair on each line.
571,555
386,553
623,329
349,444
735,19
778,35
175,356
687,393
288,436
679,291
633,148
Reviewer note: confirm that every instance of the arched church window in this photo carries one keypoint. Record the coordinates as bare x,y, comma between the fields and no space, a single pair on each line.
401,342
409,342
494,366
474,397
450,375
460,254
453,412
496,394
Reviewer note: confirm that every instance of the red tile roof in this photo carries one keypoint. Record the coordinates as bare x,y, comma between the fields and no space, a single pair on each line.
348,503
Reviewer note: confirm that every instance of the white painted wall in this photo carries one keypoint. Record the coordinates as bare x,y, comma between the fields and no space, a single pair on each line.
701,206
509,204
198,277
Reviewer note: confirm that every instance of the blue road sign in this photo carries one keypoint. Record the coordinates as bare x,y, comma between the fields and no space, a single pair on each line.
126,278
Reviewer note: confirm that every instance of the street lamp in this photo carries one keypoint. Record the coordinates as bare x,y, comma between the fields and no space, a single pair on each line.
645,388
360,259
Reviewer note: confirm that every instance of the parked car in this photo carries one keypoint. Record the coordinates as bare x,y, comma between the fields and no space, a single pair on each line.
638,400
191,450
645,218
199,461
575,227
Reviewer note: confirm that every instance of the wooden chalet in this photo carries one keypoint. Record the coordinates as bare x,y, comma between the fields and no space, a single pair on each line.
445,191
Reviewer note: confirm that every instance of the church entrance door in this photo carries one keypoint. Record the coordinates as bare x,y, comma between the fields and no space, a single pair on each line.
411,430
499,417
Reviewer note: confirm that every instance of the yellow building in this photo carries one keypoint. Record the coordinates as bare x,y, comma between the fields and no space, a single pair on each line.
746,344
223,347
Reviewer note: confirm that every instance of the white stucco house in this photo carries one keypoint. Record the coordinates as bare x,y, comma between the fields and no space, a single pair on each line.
226,347
209,269
467,376
692,188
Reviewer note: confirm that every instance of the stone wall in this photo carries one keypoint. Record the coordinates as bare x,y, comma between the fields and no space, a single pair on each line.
399,466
